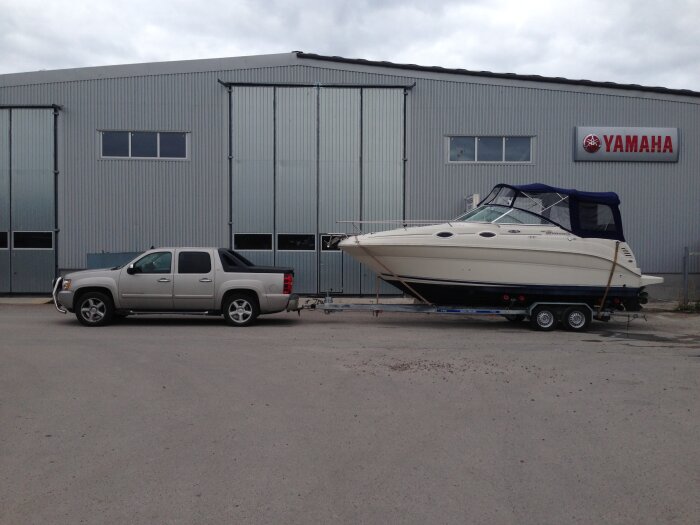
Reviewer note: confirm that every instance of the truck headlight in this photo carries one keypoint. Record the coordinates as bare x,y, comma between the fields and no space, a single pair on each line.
66,284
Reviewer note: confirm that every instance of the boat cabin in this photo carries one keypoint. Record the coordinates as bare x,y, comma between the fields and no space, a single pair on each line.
585,214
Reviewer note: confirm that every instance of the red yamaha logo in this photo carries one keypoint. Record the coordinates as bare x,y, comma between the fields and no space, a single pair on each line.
591,143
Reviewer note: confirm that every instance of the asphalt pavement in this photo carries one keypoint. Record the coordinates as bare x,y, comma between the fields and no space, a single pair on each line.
347,418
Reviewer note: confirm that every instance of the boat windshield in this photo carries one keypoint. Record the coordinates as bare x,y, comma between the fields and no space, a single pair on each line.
551,206
499,214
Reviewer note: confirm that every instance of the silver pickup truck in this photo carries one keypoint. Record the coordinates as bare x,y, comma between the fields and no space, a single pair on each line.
210,281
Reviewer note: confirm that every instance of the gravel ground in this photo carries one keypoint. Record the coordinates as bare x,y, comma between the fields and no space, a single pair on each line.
347,418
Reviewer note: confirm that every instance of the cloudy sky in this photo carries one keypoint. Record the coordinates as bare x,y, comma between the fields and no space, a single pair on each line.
632,41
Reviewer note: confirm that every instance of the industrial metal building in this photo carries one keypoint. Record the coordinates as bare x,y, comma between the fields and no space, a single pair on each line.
267,153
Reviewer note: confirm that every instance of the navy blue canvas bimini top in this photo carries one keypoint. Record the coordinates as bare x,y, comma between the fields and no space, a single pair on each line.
583,213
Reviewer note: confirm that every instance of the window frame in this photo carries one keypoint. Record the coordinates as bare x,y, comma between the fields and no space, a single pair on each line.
476,137
186,158
15,232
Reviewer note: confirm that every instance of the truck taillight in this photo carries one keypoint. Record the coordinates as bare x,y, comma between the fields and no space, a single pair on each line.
288,281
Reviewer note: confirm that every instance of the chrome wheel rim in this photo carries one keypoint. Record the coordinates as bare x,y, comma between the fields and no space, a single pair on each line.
545,319
93,310
576,319
240,311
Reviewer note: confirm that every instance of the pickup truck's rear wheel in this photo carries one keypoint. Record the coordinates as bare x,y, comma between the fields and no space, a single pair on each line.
94,309
241,309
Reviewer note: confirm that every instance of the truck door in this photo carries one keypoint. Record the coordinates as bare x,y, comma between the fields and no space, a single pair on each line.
150,286
194,281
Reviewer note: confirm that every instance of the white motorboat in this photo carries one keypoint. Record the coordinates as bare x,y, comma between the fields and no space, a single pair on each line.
522,245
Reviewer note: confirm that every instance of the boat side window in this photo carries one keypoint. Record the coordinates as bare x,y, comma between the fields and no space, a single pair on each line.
596,217
504,197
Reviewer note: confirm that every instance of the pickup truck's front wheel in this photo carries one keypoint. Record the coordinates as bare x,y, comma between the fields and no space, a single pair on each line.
241,309
94,309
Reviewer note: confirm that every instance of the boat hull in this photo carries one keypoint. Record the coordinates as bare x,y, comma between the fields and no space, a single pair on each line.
472,270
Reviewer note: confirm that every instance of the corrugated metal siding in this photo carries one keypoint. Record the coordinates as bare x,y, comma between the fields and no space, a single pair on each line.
32,170
253,160
296,178
32,271
4,170
339,159
295,175
382,167
339,184
5,197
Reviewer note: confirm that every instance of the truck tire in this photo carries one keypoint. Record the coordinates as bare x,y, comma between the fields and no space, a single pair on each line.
543,318
94,309
241,309
576,318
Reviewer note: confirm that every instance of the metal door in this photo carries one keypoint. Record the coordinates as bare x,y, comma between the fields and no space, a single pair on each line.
27,200
5,281
306,157
382,169
340,153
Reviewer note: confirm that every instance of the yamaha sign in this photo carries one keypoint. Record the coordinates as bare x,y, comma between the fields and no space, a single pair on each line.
626,144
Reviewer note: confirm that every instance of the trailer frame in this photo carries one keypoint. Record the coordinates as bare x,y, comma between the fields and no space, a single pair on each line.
573,316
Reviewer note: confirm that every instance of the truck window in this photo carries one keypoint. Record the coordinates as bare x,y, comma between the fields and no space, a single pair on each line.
193,262
157,262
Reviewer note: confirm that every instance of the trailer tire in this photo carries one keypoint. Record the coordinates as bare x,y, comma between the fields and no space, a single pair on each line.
517,318
576,318
543,318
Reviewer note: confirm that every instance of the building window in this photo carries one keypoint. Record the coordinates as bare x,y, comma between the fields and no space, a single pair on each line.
252,241
330,241
3,241
32,240
296,242
489,149
145,145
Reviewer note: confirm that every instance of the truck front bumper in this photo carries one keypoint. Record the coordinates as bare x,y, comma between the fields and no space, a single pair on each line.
62,299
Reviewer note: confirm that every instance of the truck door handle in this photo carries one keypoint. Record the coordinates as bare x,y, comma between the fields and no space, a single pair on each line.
163,280
205,280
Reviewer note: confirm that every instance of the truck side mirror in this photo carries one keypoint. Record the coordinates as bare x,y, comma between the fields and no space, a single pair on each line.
130,269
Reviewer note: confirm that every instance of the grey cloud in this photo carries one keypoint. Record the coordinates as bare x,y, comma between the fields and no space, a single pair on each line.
635,42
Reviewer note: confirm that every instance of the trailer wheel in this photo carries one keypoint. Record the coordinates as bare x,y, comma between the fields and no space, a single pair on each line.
515,318
543,318
576,318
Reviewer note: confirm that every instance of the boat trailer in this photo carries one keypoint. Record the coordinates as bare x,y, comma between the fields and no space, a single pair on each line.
543,316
